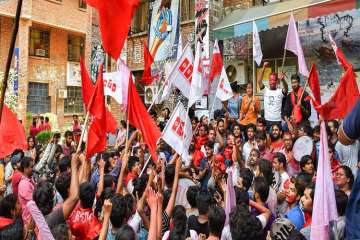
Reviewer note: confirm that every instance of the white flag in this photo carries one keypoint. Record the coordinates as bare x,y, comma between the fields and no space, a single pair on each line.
198,87
224,91
257,53
182,72
116,84
168,87
177,132
334,46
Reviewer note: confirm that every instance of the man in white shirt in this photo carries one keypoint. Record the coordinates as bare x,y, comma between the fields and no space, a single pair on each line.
251,142
272,96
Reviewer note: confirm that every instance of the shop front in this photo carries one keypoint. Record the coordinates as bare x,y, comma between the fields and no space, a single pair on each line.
315,20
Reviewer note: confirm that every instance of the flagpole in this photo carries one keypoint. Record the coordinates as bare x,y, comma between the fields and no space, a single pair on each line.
283,61
83,131
10,54
148,160
156,97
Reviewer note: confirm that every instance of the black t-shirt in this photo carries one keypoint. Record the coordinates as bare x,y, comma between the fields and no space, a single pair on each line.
194,224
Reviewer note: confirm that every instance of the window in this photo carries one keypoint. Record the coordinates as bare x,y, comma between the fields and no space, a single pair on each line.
140,21
187,10
74,102
75,48
38,100
39,43
82,4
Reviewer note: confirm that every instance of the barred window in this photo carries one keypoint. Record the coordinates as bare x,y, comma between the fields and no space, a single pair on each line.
75,48
140,22
38,100
39,43
82,4
74,102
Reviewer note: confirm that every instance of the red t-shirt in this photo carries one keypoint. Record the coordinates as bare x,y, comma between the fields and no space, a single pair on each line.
15,181
83,224
33,131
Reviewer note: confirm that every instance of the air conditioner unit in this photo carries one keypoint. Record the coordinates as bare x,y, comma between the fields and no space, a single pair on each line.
150,94
62,93
40,52
236,71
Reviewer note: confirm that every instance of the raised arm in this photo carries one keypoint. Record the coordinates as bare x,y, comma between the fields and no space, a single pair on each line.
171,203
122,173
261,76
152,202
101,180
105,225
71,201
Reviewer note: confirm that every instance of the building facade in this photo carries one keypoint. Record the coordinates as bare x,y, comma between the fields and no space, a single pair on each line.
53,35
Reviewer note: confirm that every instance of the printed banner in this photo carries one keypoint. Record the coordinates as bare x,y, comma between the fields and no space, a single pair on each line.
16,79
314,37
97,57
164,29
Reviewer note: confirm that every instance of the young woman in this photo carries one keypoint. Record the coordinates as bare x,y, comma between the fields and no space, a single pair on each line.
344,179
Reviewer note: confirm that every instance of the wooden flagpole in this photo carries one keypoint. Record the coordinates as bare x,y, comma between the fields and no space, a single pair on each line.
83,131
10,54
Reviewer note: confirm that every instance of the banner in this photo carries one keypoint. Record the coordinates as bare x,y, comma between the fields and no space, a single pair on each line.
314,36
16,79
97,58
164,29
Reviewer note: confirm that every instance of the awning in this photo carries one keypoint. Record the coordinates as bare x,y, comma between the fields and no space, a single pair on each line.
239,22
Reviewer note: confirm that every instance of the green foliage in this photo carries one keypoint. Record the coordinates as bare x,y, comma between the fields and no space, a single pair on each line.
43,137
11,100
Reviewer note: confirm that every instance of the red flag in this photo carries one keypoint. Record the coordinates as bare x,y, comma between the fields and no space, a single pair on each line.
344,98
12,133
147,79
346,94
314,84
87,91
140,119
96,141
217,63
115,19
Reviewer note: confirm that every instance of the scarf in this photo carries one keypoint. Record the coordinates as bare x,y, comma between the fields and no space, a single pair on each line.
296,112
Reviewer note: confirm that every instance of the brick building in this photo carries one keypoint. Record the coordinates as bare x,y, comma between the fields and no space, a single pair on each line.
52,36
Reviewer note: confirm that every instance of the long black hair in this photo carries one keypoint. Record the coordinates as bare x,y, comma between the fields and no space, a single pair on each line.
180,230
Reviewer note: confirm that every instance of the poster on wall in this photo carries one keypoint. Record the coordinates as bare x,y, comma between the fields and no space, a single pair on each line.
16,79
314,37
164,29
97,57
202,26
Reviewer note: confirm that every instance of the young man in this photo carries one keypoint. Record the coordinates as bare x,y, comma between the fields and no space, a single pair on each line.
307,201
276,142
251,142
262,146
76,128
26,187
307,165
118,216
216,222
134,170
47,125
261,193
200,224
273,96
294,191
300,112
279,163
82,221
293,167
206,163
67,147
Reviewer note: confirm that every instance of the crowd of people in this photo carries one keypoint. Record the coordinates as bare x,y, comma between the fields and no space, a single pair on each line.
56,192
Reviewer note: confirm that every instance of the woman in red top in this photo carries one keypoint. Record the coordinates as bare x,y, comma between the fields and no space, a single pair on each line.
199,142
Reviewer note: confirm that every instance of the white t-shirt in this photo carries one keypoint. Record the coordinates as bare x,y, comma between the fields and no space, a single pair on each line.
272,104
